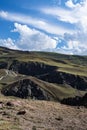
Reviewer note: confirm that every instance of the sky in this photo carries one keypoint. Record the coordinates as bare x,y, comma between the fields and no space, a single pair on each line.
44,25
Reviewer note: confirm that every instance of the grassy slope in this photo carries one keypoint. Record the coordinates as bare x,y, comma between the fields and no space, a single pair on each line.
66,63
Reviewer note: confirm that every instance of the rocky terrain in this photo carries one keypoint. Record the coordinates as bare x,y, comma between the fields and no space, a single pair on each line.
26,88
24,114
42,91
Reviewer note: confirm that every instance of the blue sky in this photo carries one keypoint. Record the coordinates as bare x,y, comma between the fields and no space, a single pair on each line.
44,25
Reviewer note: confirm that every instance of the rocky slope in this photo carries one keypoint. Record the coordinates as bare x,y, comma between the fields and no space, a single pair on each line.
26,88
58,77
55,76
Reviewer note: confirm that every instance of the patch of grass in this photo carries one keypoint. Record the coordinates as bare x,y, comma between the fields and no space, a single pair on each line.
57,91
74,70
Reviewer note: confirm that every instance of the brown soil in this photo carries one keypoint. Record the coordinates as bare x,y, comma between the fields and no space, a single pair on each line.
40,115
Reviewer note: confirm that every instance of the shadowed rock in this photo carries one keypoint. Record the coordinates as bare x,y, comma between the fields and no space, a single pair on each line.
3,65
26,89
76,101
31,68
75,81
10,104
49,73
22,112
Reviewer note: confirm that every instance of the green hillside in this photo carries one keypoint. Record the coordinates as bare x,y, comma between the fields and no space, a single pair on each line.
58,75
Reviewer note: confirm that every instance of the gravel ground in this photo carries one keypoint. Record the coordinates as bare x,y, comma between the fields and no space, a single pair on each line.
18,114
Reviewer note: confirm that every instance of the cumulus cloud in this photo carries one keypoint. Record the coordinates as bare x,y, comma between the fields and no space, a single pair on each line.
74,44
75,14
29,39
9,43
32,39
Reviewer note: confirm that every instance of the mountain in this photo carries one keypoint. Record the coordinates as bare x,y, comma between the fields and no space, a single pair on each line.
42,75
42,91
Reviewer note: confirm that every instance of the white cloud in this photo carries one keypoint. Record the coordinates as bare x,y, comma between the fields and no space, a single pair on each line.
70,4
60,14
9,43
3,14
74,44
77,15
37,23
31,39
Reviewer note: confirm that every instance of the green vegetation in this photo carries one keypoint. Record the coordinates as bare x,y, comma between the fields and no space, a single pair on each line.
74,65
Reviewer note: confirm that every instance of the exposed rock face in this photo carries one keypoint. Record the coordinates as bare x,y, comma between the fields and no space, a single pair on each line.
49,74
3,65
58,77
77,101
26,89
31,68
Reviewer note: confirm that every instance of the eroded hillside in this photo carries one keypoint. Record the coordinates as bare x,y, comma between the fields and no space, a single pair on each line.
42,75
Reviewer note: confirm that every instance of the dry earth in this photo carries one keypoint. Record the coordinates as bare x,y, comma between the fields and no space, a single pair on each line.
18,114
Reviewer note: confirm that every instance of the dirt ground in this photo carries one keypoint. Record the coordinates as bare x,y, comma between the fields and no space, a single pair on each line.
18,114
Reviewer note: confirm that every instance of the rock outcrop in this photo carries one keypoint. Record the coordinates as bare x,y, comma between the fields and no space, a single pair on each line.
3,65
26,89
75,81
76,101
31,68
49,73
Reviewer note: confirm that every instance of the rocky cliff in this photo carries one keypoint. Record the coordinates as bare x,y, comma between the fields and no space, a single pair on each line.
26,88
31,68
75,81
49,73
